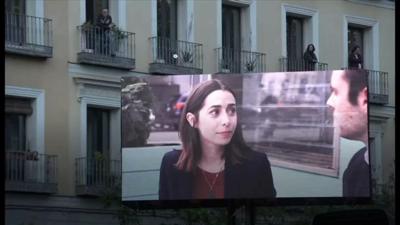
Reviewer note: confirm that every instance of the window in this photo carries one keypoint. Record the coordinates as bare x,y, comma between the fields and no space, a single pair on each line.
167,19
231,38
364,32
231,27
93,9
16,6
98,132
17,110
29,104
294,34
355,37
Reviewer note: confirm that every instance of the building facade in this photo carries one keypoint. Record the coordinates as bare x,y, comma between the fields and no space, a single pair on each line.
62,80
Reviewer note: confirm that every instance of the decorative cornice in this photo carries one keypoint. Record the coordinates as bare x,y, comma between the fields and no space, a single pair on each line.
381,114
376,3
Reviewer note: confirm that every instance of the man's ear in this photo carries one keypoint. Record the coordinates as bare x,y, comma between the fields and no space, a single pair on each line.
363,99
191,118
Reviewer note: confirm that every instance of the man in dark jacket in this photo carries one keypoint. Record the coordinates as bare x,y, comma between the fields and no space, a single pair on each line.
349,100
103,26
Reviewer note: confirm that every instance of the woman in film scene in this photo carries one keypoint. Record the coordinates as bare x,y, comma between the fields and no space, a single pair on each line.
215,162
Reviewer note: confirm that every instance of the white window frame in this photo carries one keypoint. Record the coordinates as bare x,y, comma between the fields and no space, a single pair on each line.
115,115
248,23
35,126
185,19
370,38
311,26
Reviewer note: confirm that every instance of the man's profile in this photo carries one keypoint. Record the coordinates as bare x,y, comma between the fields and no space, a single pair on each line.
349,101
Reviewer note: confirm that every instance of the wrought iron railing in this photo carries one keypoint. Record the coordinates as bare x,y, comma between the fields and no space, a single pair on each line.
30,167
298,64
97,172
25,31
110,43
240,61
176,52
378,82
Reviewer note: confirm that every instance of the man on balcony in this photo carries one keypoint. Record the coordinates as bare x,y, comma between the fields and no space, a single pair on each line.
104,23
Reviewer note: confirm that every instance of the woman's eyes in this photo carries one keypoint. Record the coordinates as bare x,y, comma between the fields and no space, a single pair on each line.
216,112
231,111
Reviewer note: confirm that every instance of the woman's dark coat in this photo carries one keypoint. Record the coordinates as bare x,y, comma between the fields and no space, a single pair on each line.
252,178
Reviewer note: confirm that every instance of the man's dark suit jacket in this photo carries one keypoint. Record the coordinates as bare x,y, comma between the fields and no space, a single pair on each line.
252,178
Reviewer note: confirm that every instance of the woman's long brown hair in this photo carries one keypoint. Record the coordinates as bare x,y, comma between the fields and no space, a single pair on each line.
190,136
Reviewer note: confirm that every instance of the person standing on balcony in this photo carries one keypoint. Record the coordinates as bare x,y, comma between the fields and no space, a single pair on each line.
310,58
104,24
349,101
355,58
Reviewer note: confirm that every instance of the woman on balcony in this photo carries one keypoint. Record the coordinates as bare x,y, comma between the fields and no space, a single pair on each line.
310,59
215,162
355,58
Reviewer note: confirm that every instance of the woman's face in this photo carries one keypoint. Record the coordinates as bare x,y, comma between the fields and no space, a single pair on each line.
217,118
310,48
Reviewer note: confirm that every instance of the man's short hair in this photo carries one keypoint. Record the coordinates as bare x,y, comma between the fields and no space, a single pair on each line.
357,82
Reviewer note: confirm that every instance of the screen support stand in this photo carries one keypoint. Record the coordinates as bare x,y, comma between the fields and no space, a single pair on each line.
234,210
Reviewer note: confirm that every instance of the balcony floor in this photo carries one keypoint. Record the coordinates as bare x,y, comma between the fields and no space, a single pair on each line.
163,68
26,186
29,49
104,60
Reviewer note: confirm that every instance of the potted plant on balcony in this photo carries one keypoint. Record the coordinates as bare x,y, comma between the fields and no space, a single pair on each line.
187,58
250,65
224,65
118,37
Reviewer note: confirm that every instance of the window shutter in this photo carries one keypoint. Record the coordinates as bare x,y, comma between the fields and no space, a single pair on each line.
18,105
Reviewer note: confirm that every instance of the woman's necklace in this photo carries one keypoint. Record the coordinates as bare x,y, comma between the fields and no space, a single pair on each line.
211,193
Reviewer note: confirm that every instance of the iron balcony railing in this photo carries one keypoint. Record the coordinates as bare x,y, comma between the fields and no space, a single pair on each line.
30,171
298,64
28,33
240,61
176,52
378,82
97,174
110,43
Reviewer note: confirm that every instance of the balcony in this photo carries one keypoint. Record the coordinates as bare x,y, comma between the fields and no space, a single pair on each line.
96,176
28,35
378,87
30,172
240,61
112,48
175,57
289,65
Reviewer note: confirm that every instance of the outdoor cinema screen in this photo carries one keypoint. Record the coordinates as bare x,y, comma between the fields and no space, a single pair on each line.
245,136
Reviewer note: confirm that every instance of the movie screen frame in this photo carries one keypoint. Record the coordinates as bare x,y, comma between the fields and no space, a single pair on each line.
283,115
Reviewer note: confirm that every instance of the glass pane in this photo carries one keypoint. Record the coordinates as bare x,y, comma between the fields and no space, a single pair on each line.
167,19
98,131
15,132
231,27
294,29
